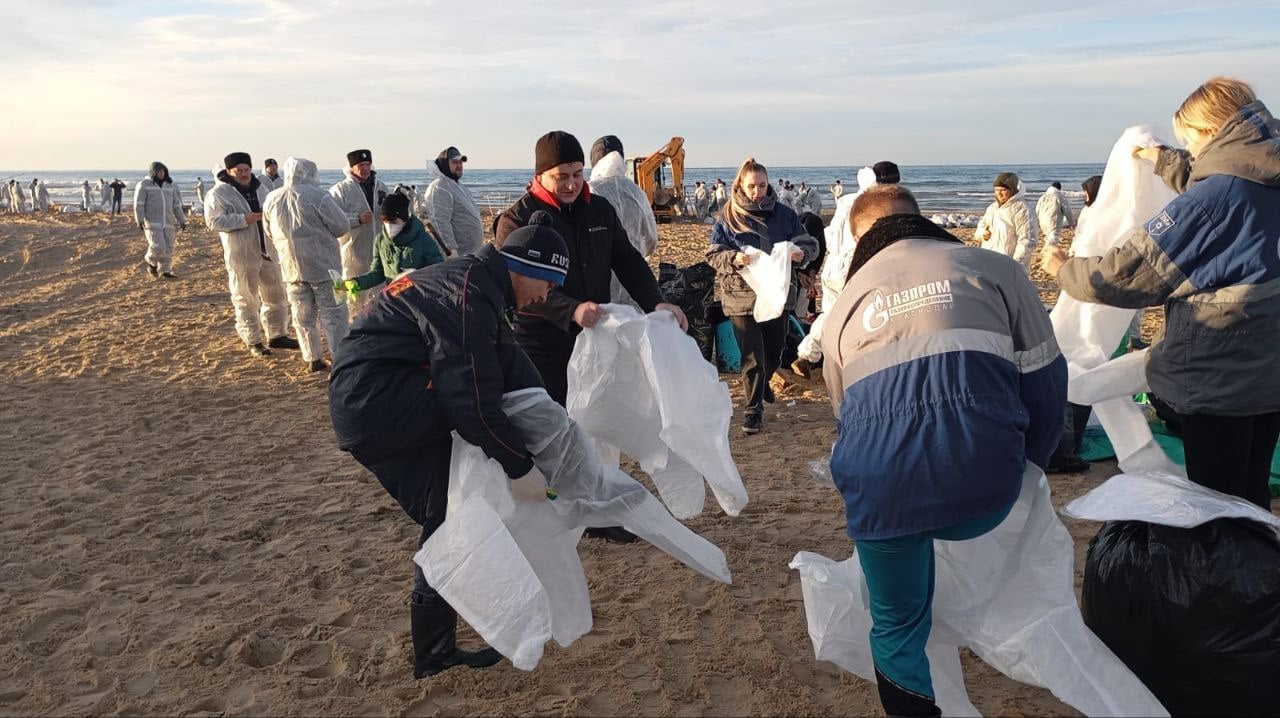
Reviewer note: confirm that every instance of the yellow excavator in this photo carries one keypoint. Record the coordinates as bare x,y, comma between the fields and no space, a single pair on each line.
666,193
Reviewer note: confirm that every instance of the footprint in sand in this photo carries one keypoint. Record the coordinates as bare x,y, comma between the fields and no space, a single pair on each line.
259,652
108,641
52,629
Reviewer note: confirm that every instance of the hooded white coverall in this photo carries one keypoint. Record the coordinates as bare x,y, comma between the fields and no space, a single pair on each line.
837,190
835,267
104,192
1053,211
200,190
253,274
157,208
18,197
453,213
356,246
609,180
304,223
40,197
1013,228
86,197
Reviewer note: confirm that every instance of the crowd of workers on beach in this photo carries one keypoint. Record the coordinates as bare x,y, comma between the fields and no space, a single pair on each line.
427,325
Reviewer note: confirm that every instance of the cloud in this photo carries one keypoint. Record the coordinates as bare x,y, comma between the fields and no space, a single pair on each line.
113,83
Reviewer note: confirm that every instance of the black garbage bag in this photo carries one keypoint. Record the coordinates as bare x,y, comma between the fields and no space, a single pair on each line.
691,289
1194,613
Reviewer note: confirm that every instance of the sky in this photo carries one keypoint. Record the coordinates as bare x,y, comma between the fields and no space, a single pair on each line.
92,84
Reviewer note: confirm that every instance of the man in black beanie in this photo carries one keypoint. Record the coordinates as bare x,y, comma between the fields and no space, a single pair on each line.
598,246
233,209
598,249
360,195
431,355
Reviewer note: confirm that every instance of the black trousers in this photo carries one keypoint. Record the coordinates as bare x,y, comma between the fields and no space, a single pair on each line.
551,357
115,205
1232,454
761,344
418,478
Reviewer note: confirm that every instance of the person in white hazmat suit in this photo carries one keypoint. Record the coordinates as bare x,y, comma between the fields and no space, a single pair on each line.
200,191
810,200
701,200
304,224
837,190
841,244
451,209
86,196
1053,212
39,196
270,177
609,180
157,208
1009,226
360,195
17,197
104,194
233,208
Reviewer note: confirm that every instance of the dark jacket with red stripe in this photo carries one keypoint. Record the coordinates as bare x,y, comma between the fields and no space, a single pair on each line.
598,247
434,353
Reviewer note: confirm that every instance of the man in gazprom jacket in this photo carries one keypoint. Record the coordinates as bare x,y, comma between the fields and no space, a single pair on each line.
946,380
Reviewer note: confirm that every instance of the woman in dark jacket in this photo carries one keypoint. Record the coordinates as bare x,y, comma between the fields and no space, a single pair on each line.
402,245
753,217
1210,258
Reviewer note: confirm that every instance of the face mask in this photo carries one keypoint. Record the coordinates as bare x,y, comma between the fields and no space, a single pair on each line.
394,228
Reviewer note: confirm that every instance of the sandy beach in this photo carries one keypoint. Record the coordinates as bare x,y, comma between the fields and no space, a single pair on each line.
179,534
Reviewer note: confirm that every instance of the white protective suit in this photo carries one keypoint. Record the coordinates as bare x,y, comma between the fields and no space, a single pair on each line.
835,268
104,192
1053,212
40,197
157,208
356,245
17,198
721,195
253,274
304,224
811,201
453,213
271,184
86,196
200,191
701,201
837,190
1013,228
609,180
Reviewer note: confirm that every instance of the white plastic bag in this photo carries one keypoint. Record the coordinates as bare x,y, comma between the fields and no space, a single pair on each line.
1008,595
1164,499
1089,333
510,568
640,384
769,276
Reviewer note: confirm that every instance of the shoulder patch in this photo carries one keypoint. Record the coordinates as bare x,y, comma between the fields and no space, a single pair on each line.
1160,224
397,287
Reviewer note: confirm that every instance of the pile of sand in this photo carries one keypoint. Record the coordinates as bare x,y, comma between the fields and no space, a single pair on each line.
180,535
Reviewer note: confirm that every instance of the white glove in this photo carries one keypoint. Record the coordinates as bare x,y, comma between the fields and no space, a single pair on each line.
530,487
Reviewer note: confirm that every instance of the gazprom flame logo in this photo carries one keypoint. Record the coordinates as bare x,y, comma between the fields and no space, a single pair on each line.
876,314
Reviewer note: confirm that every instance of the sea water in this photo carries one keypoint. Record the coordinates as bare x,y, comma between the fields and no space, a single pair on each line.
939,188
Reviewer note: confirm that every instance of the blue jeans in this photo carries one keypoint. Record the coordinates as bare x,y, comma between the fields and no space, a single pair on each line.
899,574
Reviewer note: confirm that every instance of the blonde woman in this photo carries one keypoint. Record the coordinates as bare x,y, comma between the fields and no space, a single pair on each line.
1211,258
753,217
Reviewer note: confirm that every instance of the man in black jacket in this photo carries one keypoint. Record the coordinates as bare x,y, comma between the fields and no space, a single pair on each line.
434,354
598,247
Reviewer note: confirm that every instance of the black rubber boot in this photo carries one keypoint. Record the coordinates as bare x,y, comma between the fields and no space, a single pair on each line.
1066,457
284,341
898,701
434,629
616,534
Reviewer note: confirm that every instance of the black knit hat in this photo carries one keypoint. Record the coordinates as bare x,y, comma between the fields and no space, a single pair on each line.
1008,180
603,146
395,206
537,250
237,158
270,162
554,149
355,157
886,173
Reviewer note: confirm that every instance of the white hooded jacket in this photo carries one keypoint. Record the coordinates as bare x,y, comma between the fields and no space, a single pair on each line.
157,204
1053,211
453,213
1013,228
224,211
304,223
609,180
357,244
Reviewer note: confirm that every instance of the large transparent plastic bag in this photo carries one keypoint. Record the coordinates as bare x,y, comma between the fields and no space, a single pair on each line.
1088,334
769,276
1007,595
640,385
510,568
